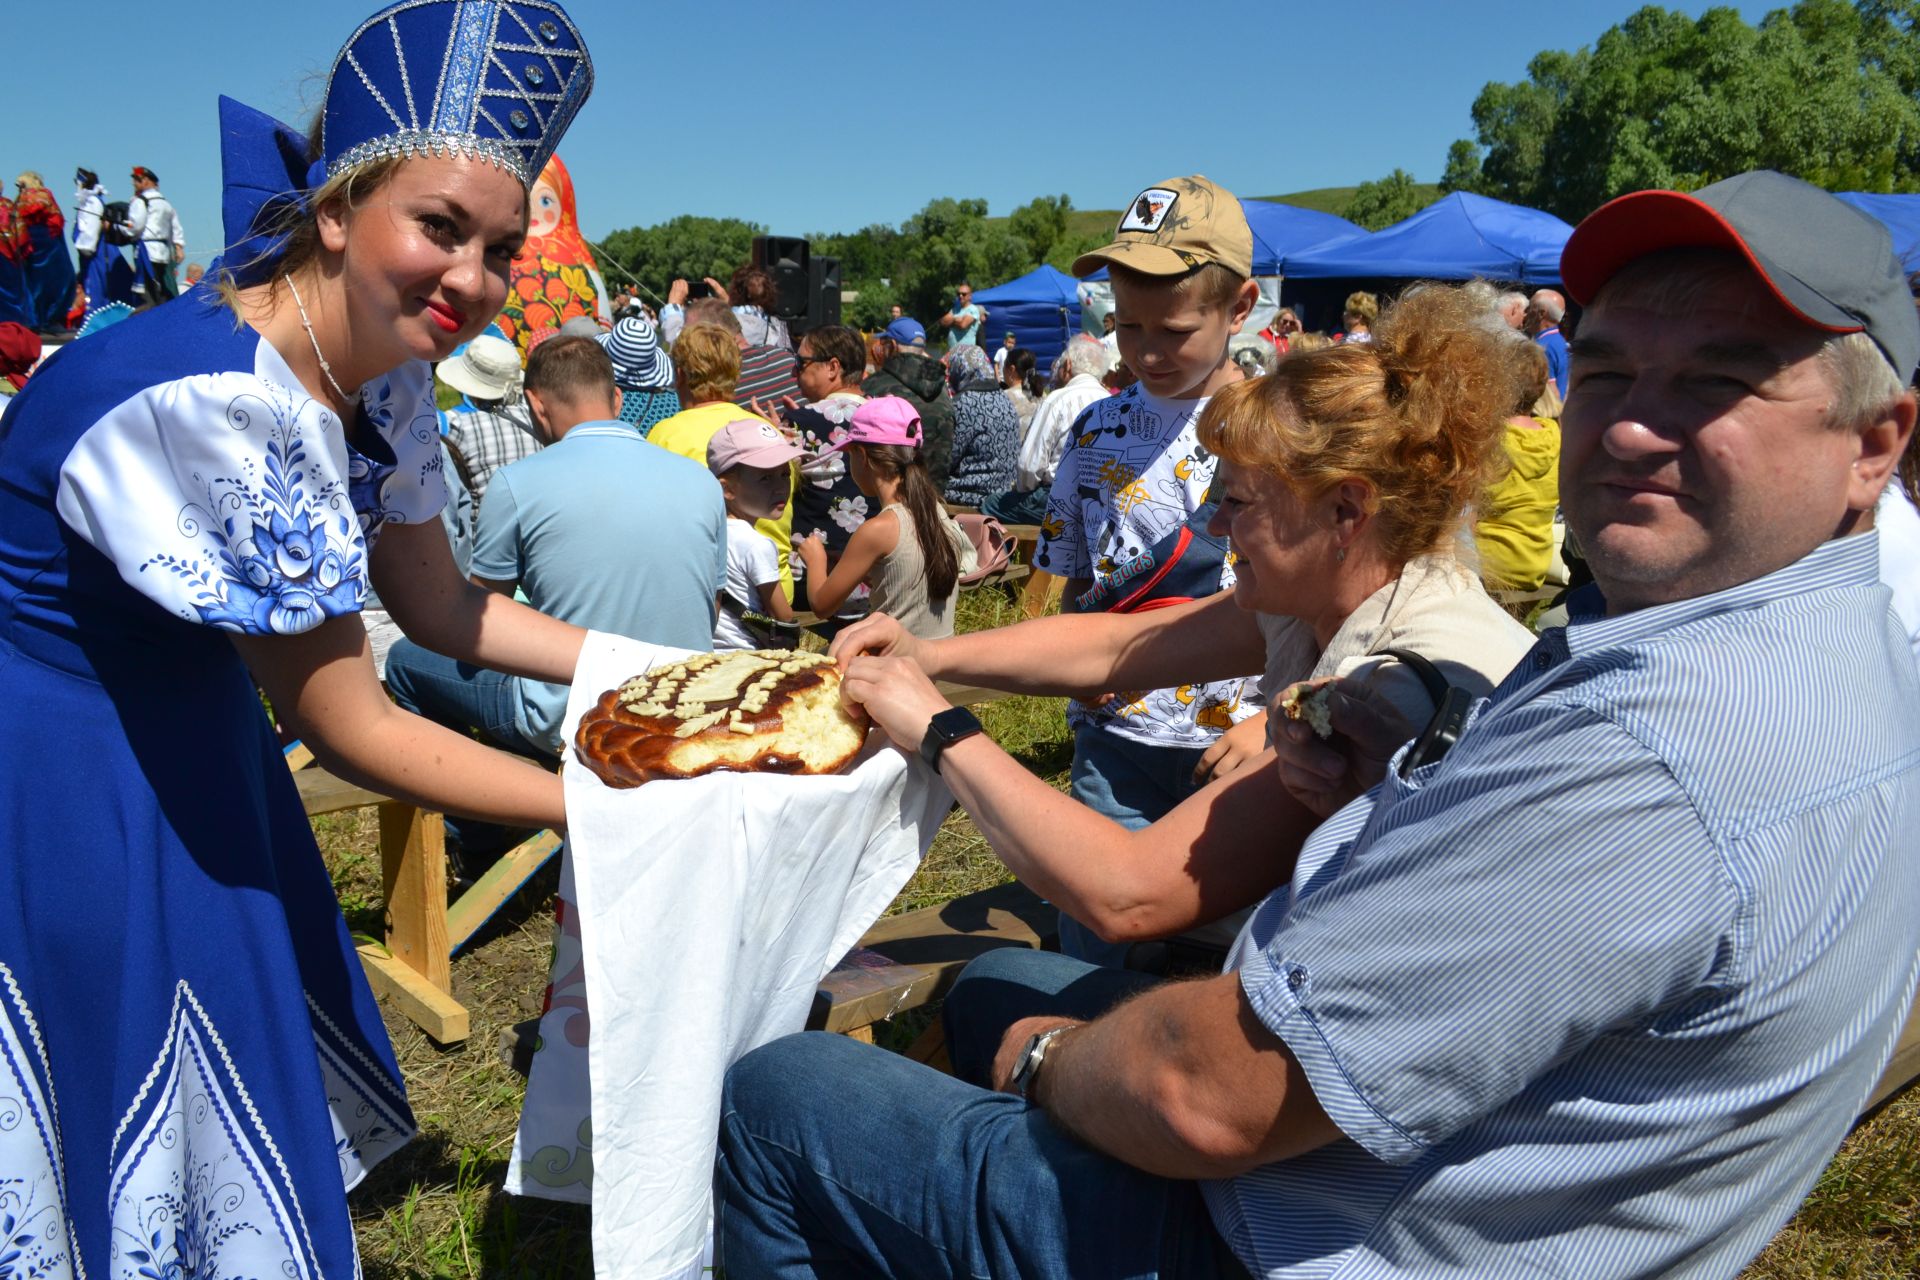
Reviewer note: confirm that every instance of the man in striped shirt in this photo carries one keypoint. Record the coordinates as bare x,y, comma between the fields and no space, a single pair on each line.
1596,993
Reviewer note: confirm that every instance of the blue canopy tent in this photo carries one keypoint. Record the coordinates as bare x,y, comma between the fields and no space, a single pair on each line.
1901,214
1458,237
1042,308
1281,229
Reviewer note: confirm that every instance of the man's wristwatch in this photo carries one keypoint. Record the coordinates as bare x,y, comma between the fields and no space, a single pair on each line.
1027,1070
955,724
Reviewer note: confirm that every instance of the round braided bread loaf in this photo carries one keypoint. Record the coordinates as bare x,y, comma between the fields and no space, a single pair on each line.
748,711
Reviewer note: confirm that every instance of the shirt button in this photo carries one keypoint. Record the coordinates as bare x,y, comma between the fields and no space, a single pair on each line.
1542,659
1296,979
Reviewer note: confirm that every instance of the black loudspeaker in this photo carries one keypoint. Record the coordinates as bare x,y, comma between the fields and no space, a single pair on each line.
785,258
823,292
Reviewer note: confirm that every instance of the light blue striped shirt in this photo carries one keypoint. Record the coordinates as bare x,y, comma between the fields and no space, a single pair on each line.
1599,993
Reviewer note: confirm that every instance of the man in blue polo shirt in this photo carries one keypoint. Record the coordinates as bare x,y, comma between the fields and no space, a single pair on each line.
600,529
1544,313
1595,992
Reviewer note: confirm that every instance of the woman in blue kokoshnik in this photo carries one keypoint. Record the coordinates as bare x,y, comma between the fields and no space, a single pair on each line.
193,502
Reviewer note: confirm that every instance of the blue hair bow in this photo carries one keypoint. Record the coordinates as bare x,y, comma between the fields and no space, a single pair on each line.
265,176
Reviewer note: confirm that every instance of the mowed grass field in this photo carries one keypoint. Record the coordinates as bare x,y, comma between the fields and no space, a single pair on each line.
436,1208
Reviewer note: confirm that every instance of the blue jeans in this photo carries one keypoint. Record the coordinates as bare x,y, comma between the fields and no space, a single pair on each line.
1134,784
464,697
840,1159
1017,507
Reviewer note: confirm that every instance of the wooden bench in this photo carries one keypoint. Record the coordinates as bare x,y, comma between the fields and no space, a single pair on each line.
907,961
423,932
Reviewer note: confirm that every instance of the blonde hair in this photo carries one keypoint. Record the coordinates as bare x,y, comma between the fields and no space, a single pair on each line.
1532,377
1211,284
300,227
29,178
1364,306
1417,414
707,361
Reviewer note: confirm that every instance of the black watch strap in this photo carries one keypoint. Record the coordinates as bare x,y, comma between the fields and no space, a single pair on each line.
955,724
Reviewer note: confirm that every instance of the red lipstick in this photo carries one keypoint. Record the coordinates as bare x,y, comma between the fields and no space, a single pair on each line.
446,317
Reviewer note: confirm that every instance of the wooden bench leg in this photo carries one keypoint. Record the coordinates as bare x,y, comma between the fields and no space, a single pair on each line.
500,882
416,966
1042,589
930,1047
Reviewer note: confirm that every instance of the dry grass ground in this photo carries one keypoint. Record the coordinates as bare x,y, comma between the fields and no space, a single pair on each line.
436,1208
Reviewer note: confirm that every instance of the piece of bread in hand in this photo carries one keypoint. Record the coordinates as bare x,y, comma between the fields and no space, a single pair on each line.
1312,703
748,711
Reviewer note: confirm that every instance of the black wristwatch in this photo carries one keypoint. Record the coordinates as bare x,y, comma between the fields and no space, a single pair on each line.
955,724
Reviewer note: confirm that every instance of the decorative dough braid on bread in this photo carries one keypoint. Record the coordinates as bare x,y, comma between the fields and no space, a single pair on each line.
749,711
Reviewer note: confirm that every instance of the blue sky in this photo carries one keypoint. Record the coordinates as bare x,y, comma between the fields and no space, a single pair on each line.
832,116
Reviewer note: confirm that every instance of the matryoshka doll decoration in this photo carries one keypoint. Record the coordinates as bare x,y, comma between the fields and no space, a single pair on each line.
555,277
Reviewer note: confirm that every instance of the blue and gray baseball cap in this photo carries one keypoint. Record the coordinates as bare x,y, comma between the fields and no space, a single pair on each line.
1828,263
907,331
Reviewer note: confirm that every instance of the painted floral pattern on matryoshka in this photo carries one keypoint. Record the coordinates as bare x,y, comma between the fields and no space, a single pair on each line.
554,277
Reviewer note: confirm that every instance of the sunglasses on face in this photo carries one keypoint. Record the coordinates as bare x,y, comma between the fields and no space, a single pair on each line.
801,362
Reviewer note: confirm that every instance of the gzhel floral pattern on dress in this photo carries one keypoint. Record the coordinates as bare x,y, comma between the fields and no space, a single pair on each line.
278,513
198,1187
33,1217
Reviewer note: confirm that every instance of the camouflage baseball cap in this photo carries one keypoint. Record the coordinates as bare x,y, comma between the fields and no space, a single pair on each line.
1175,226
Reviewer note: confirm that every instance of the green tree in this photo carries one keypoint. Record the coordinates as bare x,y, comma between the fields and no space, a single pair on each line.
873,306
1385,201
687,246
873,253
1828,91
949,241
1041,223
1067,249
1463,168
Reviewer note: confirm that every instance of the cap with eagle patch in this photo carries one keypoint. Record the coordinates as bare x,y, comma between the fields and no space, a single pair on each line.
1175,226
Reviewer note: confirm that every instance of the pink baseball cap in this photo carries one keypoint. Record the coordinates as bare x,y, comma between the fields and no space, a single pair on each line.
883,420
749,442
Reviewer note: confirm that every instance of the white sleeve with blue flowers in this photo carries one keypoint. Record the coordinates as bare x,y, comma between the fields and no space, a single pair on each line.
230,501
400,406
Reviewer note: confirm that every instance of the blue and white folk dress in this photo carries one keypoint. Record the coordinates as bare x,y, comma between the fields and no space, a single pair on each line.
192,1070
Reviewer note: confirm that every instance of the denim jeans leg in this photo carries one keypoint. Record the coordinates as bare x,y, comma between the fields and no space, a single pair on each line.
1135,785
1001,987
840,1159
462,697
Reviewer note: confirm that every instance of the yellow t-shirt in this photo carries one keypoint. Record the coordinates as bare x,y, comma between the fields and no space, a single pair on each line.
688,433
1515,533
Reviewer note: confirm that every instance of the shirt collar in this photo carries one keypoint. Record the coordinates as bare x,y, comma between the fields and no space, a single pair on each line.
1837,562
610,428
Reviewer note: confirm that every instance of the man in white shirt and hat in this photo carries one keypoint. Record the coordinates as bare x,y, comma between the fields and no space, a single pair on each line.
492,426
155,227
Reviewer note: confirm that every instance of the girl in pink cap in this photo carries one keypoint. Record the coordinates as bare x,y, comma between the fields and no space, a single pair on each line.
912,554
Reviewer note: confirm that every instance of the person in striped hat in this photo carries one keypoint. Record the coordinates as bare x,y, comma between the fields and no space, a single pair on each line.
643,371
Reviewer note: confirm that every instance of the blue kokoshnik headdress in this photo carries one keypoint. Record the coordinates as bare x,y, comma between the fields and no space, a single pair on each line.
498,80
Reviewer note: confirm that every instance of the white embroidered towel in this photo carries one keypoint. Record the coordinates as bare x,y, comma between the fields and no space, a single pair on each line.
707,911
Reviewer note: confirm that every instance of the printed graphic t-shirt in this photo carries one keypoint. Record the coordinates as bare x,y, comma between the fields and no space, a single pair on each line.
1132,473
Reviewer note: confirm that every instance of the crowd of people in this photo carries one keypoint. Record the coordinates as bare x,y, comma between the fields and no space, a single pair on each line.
128,252
1568,950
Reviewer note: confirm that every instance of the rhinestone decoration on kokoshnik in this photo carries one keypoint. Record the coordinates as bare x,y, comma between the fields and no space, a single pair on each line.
749,711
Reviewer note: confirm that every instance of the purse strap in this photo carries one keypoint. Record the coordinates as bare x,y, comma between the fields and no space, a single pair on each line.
1436,684
1450,707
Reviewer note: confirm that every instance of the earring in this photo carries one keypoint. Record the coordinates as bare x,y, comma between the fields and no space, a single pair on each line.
1339,555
